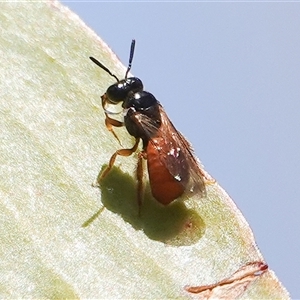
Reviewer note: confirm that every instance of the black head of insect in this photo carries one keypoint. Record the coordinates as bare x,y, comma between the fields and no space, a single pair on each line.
135,100
119,91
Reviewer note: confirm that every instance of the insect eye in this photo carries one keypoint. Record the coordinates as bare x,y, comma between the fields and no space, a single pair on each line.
117,92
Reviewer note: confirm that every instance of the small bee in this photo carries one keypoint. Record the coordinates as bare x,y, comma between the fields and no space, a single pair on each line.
172,167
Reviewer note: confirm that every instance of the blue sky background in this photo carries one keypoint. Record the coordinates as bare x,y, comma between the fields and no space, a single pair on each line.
228,75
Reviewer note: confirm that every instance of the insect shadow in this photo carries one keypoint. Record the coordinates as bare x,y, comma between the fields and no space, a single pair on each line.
174,224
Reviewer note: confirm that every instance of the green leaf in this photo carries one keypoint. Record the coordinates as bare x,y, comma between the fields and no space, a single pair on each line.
54,142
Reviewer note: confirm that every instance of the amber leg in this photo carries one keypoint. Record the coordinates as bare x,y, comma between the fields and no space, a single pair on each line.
121,152
110,123
206,180
139,176
209,181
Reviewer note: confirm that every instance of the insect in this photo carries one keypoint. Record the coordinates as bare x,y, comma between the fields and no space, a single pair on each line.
172,167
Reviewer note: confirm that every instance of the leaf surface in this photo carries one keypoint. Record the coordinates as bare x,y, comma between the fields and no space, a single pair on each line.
53,144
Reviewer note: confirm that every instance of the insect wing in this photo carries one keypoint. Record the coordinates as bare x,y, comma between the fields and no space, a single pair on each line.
175,152
196,175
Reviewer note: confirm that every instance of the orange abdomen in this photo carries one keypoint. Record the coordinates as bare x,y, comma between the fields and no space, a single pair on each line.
164,186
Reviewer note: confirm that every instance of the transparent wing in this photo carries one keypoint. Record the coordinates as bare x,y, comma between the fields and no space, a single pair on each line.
174,151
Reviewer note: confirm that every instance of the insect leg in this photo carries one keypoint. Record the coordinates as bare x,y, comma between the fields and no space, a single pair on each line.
110,123
139,176
208,180
121,152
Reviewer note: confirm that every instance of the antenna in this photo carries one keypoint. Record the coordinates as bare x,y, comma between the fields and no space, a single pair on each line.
99,64
130,57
